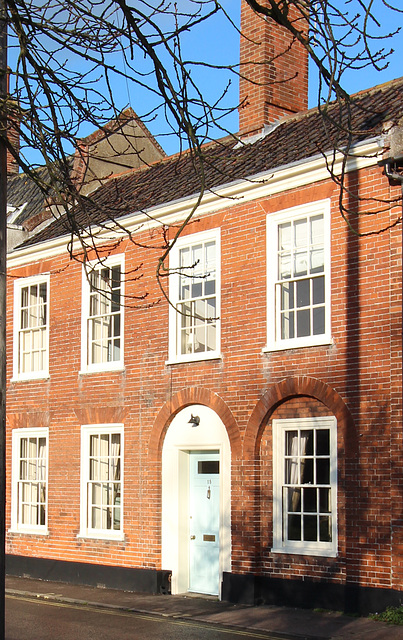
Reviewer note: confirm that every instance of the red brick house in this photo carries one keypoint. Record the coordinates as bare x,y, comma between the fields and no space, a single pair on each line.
244,440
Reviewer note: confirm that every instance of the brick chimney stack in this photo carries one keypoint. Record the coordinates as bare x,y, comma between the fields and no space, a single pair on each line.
277,65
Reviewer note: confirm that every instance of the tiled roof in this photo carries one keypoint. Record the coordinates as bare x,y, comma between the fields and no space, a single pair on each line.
22,189
295,138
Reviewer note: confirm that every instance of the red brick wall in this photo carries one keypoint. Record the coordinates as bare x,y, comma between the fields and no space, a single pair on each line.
357,378
273,72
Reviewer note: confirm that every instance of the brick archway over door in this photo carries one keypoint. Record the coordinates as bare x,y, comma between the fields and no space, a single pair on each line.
185,398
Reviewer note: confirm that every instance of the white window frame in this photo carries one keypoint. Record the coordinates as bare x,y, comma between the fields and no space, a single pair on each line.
174,282
16,524
19,285
274,340
86,365
86,531
280,544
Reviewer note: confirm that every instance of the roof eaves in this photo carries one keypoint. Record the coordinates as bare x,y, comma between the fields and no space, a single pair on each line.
224,191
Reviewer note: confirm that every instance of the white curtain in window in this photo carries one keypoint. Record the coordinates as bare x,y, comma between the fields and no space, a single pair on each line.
297,464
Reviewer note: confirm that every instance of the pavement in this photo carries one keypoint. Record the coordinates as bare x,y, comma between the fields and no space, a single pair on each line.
283,622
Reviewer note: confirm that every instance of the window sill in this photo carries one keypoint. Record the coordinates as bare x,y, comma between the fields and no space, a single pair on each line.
32,378
194,358
102,536
324,553
324,341
88,372
29,532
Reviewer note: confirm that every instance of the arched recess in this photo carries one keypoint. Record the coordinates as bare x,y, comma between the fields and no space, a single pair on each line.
173,447
277,395
291,388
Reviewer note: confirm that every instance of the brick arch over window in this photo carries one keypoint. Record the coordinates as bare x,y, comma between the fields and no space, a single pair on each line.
185,398
291,388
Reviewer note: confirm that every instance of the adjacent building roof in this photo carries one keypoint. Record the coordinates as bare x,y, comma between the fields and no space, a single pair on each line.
292,139
25,196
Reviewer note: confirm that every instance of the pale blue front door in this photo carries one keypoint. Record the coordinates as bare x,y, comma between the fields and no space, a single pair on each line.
204,524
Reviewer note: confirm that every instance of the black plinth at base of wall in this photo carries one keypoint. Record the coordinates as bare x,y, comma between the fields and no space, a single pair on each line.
307,594
93,575
236,588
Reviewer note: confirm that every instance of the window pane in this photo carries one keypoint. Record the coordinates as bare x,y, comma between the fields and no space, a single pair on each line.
116,325
303,323
292,471
307,442
318,290
324,500
310,496
300,264
322,442
94,445
184,257
33,300
310,528
291,442
287,296
317,230
24,296
197,289
197,260
284,236
317,261
325,529
284,248
323,471
116,277
284,266
300,233
184,287
303,293
209,285
318,321
200,312
287,325
307,471
317,243
210,264
294,500
294,527
199,339
211,337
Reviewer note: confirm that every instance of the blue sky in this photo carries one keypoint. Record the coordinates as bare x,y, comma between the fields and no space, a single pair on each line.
216,41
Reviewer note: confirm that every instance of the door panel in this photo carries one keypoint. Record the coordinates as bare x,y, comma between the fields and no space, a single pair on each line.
204,523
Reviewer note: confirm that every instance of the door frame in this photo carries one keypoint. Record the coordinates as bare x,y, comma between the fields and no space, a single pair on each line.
180,440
